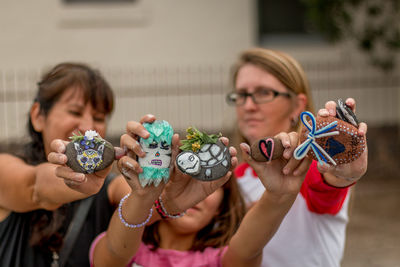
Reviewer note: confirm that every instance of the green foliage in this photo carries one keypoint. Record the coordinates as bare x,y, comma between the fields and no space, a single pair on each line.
196,139
373,24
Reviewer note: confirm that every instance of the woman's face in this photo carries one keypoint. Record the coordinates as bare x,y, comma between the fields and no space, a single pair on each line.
71,115
199,216
257,121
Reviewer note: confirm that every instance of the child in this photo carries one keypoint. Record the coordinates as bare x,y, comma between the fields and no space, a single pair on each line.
211,233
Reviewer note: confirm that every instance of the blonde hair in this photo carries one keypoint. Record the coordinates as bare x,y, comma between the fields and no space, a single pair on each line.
282,66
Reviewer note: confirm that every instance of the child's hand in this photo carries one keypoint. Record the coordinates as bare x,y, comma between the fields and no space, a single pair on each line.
85,183
129,166
284,175
182,191
345,174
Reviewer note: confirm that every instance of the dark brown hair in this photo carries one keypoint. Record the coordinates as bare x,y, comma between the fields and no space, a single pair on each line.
53,84
221,228
46,225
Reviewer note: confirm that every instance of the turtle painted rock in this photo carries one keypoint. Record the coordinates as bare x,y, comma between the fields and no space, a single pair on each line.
89,153
210,162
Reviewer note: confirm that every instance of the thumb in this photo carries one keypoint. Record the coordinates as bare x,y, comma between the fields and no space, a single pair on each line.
246,152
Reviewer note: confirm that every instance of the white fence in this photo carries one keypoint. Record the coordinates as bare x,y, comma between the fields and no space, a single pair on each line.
195,95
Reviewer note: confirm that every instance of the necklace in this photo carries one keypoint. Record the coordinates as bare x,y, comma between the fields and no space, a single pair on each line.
55,260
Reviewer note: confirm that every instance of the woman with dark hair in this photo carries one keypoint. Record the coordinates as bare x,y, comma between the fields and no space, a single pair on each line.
45,220
35,206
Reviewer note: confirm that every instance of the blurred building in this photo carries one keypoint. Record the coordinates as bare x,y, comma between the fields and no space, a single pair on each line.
172,57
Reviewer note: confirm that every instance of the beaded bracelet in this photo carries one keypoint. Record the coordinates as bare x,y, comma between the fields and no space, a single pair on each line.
160,208
125,222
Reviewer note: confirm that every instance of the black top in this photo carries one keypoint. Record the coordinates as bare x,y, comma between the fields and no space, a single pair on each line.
15,250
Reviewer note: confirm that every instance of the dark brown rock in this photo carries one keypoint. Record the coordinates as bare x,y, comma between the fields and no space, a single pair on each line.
210,163
267,149
89,160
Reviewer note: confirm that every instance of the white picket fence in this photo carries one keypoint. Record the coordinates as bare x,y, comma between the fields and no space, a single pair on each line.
195,95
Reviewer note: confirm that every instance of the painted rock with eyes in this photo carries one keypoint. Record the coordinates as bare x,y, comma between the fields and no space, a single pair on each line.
89,153
157,147
204,157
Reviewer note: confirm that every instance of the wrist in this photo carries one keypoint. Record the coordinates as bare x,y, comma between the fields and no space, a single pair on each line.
130,213
277,198
163,212
337,181
169,204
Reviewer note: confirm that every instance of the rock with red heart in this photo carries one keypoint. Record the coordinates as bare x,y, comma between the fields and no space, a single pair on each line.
266,149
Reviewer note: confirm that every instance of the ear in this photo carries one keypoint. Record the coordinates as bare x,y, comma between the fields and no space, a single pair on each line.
37,117
300,105
78,148
101,149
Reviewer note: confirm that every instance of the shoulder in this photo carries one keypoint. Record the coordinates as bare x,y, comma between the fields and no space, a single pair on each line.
4,158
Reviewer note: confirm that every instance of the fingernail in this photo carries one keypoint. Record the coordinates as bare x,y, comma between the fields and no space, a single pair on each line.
324,113
285,171
63,158
129,165
80,177
331,112
119,153
144,133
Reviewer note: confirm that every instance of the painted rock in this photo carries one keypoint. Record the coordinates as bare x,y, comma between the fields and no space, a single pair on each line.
344,112
267,149
210,162
157,147
344,147
89,153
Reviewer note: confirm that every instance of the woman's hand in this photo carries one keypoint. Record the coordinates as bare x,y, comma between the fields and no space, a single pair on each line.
182,191
88,184
345,174
284,175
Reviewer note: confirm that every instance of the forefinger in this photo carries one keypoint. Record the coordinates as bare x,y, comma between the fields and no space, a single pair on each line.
331,107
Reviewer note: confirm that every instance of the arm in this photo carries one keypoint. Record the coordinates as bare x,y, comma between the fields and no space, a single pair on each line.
282,180
24,187
120,243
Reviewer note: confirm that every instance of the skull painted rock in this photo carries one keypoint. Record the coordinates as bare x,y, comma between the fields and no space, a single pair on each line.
157,147
211,162
158,155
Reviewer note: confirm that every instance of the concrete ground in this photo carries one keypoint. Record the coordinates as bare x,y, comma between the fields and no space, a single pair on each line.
373,234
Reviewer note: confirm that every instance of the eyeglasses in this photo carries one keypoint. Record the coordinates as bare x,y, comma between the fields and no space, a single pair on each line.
258,97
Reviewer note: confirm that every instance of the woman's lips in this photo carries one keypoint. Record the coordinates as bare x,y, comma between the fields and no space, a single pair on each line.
253,121
193,209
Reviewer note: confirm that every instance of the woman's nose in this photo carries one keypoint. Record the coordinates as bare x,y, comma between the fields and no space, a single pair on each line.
86,123
249,103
